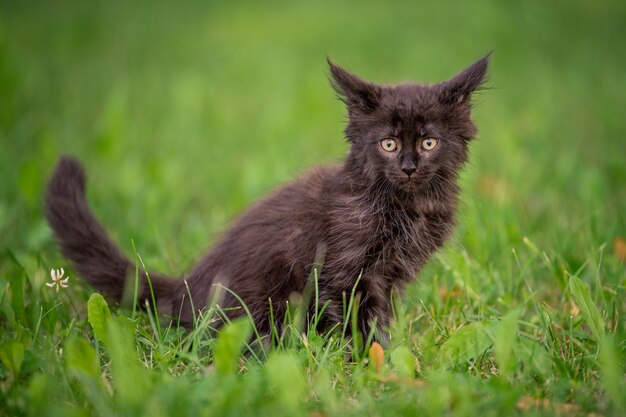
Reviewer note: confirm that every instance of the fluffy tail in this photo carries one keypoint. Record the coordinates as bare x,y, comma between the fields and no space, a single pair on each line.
84,241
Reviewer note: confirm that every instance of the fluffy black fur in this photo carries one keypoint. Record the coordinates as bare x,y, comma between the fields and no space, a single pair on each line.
378,216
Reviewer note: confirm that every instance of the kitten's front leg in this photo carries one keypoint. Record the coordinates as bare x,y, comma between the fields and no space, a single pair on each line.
374,318
373,310
330,311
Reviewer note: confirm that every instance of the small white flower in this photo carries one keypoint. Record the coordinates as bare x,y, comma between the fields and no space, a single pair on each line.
56,279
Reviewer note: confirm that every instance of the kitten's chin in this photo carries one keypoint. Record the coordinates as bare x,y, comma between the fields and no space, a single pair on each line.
406,185
413,185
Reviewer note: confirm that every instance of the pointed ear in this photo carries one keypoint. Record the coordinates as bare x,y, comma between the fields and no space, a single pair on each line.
459,88
355,92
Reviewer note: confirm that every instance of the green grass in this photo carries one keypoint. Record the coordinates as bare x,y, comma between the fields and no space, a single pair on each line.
184,116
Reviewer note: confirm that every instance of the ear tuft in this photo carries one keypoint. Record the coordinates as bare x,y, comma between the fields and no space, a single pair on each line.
352,90
459,88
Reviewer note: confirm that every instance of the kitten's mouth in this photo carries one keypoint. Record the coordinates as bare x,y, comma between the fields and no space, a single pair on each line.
409,184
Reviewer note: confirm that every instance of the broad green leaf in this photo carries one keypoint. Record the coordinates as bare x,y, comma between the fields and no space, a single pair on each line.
286,376
466,343
3,292
39,388
533,356
582,297
506,338
612,373
81,358
12,355
7,311
131,380
403,361
323,387
17,282
229,343
98,315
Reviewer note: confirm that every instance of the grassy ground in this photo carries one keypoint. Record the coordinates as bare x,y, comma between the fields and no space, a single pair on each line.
184,116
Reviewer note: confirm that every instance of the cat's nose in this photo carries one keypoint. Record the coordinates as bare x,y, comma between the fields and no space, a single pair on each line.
408,171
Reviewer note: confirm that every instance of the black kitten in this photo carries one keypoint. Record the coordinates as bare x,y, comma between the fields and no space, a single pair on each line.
376,218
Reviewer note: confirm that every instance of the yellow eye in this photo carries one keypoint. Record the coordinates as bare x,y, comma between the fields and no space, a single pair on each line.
429,143
389,144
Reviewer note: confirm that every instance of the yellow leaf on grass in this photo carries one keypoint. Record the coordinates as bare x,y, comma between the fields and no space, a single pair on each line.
377,356
444,292
620,248
574,310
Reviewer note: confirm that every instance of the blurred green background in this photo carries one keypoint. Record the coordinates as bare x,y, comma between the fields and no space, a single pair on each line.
185,114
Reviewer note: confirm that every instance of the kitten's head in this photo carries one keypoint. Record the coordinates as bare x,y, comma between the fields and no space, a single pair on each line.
409,136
